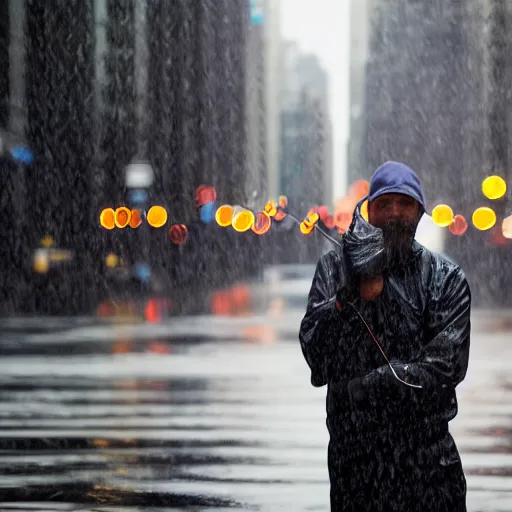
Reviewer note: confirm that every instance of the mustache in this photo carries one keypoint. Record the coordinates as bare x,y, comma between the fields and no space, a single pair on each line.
398,229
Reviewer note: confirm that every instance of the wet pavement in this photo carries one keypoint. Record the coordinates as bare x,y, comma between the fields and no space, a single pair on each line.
203,414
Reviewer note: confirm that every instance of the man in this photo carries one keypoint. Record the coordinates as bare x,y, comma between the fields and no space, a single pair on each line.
390,449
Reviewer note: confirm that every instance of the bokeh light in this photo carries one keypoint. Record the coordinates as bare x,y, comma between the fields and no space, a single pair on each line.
204,195
157,216
344,212
243,221
359,189
207,212
280,215
224,215
41,261
262,223
329,222
47,241
178,234
459,225
484,218
111,261
107,218
494,187
442,215
271,208
122,217
506,227
364,210
306,228
136,219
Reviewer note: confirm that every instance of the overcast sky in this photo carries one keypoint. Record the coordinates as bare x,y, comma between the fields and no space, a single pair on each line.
321,27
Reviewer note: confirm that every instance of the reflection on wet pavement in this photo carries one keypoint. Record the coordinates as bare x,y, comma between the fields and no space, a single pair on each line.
110,417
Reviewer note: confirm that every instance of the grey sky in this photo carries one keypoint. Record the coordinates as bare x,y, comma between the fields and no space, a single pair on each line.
321,27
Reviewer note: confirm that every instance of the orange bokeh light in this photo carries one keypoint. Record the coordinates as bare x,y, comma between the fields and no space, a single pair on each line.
224,215
136,219
262,223
122,217
107,218
359,189
459,225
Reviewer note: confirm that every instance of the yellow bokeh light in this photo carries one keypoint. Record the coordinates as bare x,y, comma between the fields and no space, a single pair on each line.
364,210
506,227
484,218
111,260
306,228
157,216
442,215
243,221
122,217
271,208
224,215
41,262
107,218
494,187
47,241
313,218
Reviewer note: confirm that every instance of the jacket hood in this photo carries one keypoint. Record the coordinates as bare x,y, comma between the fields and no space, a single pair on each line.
396,178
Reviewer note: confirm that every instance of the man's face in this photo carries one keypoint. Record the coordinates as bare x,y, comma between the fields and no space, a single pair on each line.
398,216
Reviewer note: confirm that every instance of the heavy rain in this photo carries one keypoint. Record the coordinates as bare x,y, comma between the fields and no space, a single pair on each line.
183,184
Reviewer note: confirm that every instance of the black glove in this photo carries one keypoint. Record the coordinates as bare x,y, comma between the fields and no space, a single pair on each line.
348,293
357,392
364,250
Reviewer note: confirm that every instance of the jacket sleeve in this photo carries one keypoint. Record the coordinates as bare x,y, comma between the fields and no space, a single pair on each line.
443,362
320,329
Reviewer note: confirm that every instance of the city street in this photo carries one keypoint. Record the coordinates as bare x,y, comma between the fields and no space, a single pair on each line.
203,414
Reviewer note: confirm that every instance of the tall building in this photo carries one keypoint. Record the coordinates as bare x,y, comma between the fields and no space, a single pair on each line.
263,86
93,86
306,132
437,97
360,19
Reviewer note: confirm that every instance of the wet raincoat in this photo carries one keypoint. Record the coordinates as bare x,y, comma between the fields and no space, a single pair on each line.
390,448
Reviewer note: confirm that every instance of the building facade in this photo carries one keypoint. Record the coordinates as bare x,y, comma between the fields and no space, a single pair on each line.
306,162
435,97
263,83
163,81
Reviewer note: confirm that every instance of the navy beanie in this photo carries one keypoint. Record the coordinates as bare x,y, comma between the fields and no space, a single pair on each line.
396,178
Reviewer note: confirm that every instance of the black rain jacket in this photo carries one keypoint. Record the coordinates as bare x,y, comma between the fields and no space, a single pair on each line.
422,322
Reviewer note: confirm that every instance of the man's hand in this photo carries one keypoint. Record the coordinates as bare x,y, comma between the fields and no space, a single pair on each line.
371,287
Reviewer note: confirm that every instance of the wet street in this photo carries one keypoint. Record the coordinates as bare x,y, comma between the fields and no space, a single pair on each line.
203,414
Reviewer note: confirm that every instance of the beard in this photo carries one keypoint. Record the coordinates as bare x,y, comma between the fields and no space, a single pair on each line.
398,239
